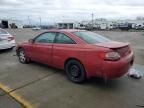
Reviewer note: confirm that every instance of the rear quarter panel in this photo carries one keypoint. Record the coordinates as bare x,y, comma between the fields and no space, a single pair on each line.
88,56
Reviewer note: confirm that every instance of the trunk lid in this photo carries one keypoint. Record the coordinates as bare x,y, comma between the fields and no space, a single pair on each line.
122,48
112,44
4,39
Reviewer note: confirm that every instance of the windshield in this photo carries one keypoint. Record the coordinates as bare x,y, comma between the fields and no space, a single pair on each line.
3,32
91,37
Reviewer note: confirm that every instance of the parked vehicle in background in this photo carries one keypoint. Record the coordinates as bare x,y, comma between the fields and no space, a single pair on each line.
125,26
103,26
82,54
139,27
6,40
36,28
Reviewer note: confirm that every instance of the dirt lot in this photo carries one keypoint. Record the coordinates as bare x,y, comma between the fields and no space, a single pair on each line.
41,86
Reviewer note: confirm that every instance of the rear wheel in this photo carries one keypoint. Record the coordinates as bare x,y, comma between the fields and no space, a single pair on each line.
22,56
75,71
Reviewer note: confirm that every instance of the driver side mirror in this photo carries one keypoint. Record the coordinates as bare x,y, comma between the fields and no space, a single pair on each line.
31,41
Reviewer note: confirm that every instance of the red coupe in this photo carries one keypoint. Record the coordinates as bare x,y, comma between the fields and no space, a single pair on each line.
82,54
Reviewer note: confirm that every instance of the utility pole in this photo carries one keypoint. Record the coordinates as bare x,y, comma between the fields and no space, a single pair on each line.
29,21
92,19
40,21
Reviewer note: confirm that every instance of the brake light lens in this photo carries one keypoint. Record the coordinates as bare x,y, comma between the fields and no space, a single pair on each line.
10,38
111,56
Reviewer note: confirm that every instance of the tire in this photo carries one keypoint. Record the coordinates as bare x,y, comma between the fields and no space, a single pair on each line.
75,71
22,56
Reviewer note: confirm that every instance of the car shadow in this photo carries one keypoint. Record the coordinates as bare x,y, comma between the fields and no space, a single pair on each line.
48,67
104,84
6,51
94,82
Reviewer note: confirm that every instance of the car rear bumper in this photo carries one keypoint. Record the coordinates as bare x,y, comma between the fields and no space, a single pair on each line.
7,45
110,69
116,69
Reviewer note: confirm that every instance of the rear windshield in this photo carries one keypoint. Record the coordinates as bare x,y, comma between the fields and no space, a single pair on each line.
91,37
3,32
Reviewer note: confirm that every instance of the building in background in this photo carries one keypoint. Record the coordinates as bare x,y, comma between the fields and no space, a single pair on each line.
102,24
9,23
65,25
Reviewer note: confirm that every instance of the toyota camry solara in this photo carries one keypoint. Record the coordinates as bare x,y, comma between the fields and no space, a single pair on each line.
82,54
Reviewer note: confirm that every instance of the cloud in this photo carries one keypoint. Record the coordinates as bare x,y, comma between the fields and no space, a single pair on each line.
55,10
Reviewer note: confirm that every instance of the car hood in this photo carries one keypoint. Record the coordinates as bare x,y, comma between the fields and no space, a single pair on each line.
112,44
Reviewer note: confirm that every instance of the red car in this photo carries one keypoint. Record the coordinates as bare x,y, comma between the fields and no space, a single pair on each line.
82,54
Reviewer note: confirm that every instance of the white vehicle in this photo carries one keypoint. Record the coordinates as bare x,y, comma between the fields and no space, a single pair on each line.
36,28
103,26
7,41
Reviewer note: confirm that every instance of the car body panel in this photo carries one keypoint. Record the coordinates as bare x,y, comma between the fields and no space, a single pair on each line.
42,55
5,43
56,55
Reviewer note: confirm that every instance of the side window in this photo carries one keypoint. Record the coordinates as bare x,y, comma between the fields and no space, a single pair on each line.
63,39
45,38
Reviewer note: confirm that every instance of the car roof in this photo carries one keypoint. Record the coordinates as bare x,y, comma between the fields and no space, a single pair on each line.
66,30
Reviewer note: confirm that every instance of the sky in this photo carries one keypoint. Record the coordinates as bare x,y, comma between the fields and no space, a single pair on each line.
33,11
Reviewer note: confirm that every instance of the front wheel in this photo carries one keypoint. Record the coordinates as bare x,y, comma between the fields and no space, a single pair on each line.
22,56
75,71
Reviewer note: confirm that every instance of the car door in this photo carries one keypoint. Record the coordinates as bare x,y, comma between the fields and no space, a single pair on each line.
41,48
62,49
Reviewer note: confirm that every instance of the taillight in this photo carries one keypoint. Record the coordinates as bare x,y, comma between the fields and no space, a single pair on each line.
10,38
111,56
